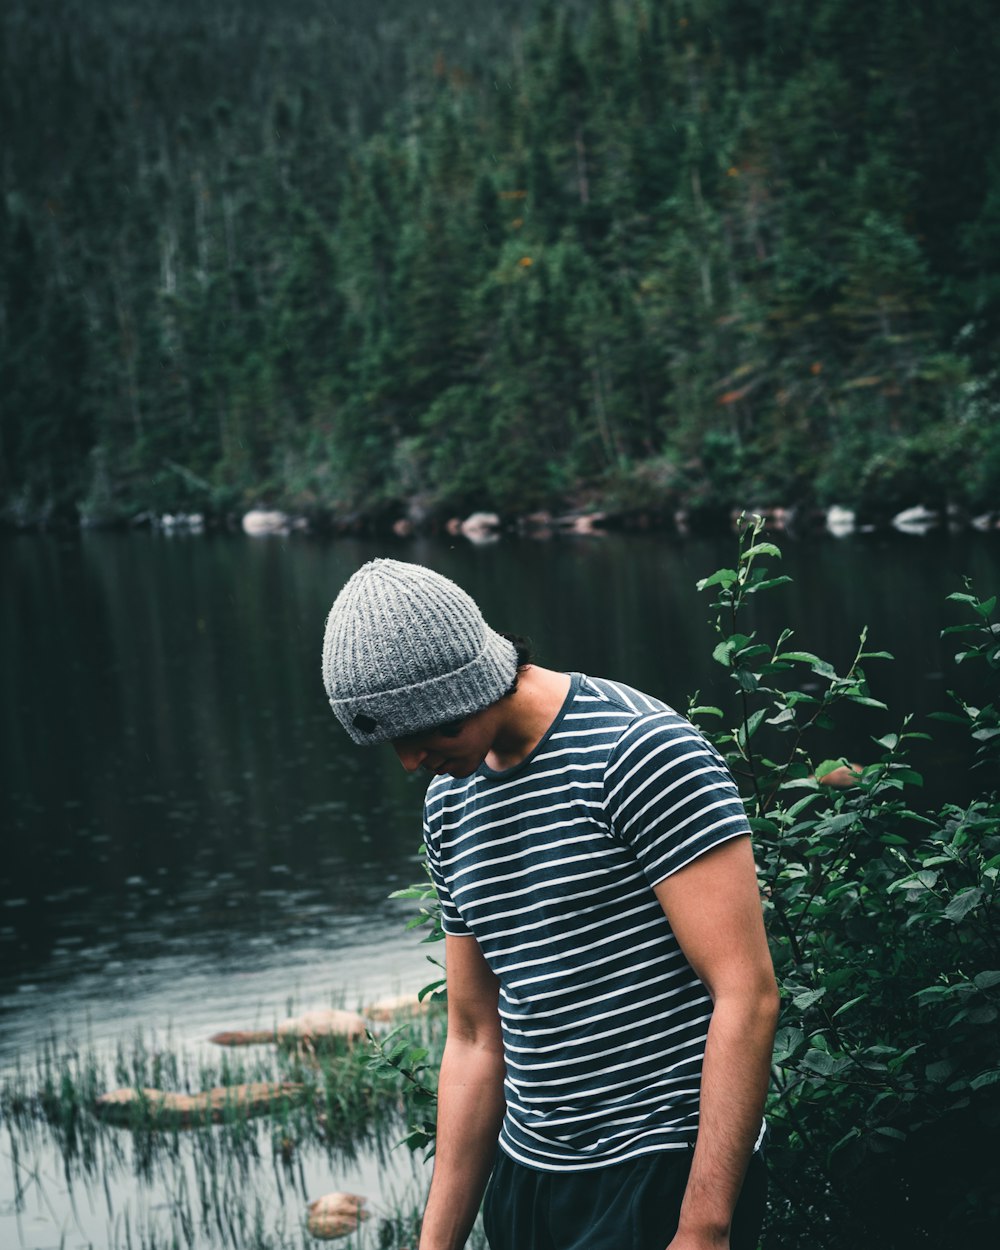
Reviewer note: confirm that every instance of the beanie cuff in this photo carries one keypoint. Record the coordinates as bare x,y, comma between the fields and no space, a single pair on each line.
393,713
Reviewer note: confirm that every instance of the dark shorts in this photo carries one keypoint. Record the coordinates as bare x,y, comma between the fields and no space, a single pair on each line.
628,1206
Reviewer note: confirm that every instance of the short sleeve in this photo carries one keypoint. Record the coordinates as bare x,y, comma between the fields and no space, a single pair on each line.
669,795
451,922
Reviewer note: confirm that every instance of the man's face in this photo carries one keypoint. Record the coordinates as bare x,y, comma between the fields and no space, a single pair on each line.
457,748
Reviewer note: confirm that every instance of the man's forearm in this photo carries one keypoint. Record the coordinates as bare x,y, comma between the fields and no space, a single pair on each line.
470,1111
734,1083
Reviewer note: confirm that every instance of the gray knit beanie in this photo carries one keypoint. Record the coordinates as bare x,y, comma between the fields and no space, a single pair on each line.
406,649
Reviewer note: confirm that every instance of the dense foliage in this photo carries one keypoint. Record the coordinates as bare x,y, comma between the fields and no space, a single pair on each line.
358,258
884,923
884,920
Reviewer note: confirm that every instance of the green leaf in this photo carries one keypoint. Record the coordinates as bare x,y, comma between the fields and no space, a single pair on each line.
704,711
925,880
837,823
851,1135
808,998
938,1073
768,583
762,549
721,577
992,1077
801,804
851,1002
825,768
819,1061
746,680
723,653
745,654
986,980
753,722
933,991
963,903
786,1043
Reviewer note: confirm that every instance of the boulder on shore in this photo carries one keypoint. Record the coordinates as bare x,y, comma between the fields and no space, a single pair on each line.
840,521
481,527
916,520
260,521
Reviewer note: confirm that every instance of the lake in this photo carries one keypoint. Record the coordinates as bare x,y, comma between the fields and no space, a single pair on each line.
190,840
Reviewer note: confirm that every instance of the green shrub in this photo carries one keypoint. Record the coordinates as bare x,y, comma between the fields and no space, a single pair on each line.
883,921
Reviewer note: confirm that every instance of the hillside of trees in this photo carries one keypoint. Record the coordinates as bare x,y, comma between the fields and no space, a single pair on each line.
375,261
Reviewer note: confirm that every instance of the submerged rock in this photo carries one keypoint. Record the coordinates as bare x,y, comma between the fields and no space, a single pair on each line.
319,1026
399,1005
244,1037
312,1028
211,1106
336,1215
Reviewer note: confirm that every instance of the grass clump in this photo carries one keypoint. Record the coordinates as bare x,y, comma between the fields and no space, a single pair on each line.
236,1179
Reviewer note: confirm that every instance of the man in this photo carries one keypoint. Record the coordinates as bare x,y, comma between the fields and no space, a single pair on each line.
611,1000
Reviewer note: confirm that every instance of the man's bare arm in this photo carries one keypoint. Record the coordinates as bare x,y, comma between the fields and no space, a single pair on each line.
713,906
470,1098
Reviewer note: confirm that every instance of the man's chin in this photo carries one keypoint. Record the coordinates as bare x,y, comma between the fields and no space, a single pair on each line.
459,770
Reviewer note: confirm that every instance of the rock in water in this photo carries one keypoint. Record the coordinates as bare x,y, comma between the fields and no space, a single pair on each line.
244,1037
318,1028
401,1005
211,1106
336,1215
312,1028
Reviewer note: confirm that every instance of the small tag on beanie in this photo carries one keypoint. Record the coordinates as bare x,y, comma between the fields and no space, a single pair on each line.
365,723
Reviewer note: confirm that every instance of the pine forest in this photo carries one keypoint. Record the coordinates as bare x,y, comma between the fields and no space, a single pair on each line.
396,260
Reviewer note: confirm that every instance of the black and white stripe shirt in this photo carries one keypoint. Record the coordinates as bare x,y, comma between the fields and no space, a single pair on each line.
550,866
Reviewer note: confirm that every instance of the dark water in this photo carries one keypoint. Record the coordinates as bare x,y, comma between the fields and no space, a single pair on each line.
189,838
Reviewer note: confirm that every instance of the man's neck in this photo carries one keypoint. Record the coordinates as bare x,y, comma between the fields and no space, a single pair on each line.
526,715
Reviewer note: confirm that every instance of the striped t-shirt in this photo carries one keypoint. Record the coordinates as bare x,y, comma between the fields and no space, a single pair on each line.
549,865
